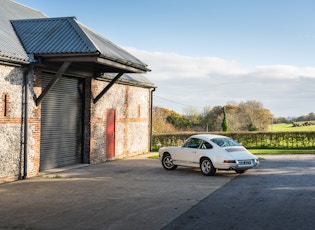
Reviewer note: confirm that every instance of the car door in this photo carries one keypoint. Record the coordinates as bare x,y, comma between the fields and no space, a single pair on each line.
187,154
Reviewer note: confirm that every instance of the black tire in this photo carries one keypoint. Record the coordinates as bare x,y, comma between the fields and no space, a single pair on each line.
207,167
240,170
167,162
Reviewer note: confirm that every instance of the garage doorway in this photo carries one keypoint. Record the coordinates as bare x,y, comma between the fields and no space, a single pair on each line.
61,123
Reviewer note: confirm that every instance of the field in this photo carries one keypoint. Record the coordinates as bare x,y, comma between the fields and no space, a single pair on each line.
281,151
289,127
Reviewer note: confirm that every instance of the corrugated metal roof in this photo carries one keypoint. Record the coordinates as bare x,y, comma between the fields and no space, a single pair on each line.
25,32
107,48
53,36
10,46
66,35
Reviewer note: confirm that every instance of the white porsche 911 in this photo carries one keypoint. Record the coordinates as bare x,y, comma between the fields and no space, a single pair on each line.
209,152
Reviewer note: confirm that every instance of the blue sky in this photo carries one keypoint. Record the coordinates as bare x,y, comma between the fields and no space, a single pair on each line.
211,52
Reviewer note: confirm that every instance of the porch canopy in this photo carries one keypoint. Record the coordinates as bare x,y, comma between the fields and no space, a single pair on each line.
54,41
65,46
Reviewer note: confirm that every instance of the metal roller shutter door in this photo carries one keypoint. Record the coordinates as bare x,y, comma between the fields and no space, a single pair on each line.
61,125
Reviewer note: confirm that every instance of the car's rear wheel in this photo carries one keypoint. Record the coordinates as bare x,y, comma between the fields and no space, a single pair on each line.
240,170
207,167
167,162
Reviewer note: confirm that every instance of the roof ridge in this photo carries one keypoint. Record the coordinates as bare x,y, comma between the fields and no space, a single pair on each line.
48,19
83,35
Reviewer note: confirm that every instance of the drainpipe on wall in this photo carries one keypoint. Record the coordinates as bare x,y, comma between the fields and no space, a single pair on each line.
25,82
151,123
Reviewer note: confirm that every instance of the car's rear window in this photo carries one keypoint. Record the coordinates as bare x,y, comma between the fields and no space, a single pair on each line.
225,142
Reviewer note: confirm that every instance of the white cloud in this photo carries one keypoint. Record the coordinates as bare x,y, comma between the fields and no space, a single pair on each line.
184,66
284,71
285,90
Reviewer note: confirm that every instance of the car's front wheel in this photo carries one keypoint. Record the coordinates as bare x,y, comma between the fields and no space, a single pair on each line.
167,162
207,167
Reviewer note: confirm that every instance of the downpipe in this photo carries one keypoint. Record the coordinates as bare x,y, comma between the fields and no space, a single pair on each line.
25,82
151,116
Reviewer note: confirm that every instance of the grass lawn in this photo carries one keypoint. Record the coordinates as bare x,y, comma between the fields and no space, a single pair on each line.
281,151
283,127
155,156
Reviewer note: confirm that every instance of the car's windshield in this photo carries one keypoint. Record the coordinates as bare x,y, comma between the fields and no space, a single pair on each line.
225,142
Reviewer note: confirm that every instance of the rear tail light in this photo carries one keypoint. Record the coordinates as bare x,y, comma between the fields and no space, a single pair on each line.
229,161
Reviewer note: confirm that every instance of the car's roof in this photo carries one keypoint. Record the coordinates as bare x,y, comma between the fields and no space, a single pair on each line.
208,136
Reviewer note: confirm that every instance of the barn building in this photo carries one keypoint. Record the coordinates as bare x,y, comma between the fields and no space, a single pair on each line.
68,95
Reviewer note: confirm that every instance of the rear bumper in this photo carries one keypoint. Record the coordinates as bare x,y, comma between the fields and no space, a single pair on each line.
237,165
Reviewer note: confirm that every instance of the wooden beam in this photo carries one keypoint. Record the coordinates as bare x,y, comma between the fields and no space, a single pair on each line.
53,81
106,63
107,87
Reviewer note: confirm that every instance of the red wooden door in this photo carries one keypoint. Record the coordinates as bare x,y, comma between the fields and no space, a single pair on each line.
110,133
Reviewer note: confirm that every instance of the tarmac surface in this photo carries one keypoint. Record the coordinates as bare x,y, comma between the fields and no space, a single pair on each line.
133,193
280,194
137,193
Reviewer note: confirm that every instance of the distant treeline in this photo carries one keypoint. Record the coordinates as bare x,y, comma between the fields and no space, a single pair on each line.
245,116
236,117
304,118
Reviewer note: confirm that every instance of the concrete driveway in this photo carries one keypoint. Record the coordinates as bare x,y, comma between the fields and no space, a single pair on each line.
134,193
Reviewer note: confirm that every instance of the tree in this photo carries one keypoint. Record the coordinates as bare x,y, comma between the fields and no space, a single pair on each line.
254,116
179,121
193,115
205,121
224,125
159,123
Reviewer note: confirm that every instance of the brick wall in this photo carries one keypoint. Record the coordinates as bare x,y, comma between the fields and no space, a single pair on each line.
132,125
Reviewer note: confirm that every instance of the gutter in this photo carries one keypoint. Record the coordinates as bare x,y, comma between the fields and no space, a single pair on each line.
12,62
108,78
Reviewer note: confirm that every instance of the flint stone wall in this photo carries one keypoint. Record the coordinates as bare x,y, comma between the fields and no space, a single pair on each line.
132,125
12,126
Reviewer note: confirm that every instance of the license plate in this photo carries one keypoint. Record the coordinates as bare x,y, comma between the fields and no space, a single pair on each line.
245,162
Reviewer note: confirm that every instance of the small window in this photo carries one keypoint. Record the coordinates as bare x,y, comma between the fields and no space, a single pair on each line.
5,105
139,110
206,145
192,143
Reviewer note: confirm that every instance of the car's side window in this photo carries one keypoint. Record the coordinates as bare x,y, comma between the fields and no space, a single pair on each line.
206,145
192,143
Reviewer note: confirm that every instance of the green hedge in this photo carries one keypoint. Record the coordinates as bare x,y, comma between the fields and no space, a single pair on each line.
251,140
